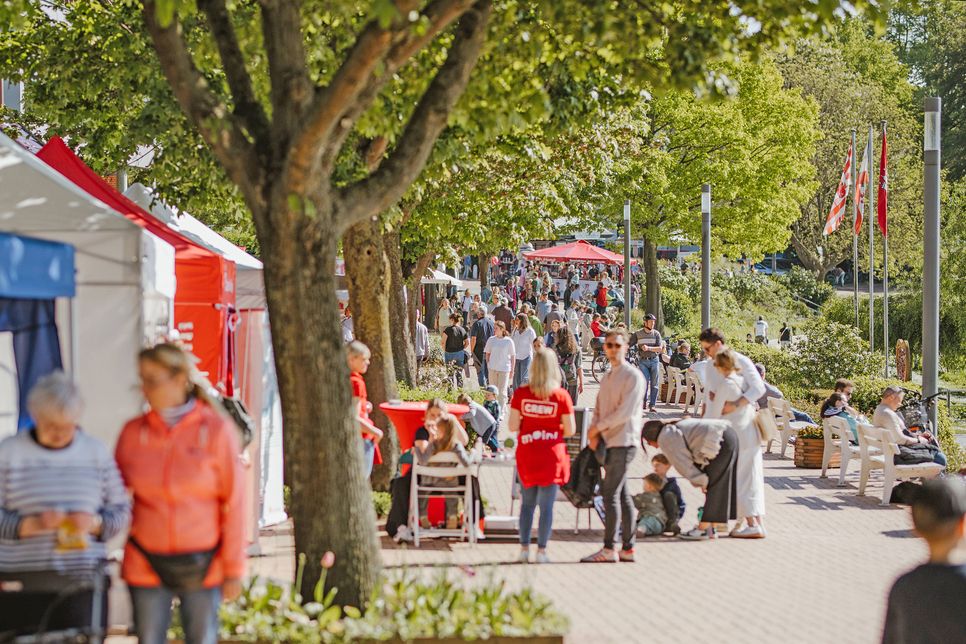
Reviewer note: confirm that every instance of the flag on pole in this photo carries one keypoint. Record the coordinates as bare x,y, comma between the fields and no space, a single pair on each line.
837,213
862,184
883,195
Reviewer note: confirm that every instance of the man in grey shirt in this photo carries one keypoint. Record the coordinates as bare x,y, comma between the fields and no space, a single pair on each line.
617,422
651,345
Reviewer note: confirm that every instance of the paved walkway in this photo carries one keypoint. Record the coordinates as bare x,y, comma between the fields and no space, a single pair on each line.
822,574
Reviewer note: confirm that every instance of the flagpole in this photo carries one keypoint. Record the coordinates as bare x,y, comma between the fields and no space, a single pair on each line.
871,202
855,237
885,271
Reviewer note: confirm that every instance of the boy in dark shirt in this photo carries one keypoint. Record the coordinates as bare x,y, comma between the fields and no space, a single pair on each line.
671,493
927,605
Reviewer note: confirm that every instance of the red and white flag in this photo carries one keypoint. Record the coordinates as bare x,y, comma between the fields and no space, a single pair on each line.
862,185
837,213
883,196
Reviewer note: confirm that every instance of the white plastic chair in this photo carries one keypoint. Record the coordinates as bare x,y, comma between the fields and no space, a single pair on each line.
445,465
765,420
876,438
695,392
837,436
787,425
675,385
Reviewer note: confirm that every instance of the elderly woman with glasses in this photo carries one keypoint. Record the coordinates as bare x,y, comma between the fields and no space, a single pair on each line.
61,499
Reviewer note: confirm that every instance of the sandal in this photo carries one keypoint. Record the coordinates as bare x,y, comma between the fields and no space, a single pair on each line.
696,534
601,556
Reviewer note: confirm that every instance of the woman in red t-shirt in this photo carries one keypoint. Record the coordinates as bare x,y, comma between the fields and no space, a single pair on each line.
358,356
542,413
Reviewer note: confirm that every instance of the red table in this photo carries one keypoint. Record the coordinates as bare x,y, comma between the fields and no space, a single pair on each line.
408,416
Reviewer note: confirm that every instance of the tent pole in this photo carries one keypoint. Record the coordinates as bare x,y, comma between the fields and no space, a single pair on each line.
73,337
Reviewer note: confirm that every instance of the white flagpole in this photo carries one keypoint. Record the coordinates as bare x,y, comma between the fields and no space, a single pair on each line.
871,201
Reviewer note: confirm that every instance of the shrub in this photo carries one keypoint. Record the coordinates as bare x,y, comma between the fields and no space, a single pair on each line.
382,501
778,364
802,282
429,389
678,308
672,278
828,351
746,287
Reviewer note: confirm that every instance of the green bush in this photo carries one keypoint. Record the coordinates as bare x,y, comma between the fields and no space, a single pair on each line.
672,278
802,282
745,287
678,308
779,364
382,501
404,607
827,351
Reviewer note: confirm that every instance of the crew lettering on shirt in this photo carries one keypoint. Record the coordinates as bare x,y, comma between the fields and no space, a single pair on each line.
539,408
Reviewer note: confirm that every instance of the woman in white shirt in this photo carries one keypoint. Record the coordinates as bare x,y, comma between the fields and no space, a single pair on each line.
500,354
750,483
523,336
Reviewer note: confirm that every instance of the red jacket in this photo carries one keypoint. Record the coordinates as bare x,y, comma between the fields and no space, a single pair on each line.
187,485
602,296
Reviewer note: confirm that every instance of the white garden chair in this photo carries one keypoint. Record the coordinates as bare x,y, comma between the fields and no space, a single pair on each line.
445,465
765,421
876,438
695,392
787,425
676,385
837,436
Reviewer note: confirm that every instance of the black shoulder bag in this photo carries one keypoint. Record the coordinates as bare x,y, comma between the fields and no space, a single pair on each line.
183,572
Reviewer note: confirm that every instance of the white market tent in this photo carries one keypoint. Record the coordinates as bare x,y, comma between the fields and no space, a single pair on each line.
255,364
434,276
125,288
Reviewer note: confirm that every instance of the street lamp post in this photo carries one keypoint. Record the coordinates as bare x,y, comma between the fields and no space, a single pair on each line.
705,255
932,107
627,264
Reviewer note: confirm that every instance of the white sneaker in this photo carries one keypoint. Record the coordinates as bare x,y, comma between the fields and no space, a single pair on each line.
542,558
403,534
749,532
479,533
524,556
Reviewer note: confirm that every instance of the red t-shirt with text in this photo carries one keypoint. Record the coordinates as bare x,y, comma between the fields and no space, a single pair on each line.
359,391
541,451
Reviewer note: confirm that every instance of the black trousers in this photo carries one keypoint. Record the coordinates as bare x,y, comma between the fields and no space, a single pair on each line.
21,613
720,503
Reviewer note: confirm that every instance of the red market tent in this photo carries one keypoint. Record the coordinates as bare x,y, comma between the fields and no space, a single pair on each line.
578,251
205,286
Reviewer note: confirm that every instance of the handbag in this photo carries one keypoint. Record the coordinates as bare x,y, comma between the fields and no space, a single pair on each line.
182,572
915,454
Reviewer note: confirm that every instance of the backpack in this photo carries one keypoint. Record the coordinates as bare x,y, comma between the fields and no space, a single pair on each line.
915,454
584,479
568,368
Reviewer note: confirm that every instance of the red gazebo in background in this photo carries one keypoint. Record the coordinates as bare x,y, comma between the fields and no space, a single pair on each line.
578,251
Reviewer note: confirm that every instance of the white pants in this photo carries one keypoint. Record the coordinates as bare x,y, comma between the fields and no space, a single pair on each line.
501,379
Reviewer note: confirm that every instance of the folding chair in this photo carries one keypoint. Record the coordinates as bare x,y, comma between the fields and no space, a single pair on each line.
445,465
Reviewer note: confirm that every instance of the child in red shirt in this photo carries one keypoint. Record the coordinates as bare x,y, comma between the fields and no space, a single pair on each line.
358,357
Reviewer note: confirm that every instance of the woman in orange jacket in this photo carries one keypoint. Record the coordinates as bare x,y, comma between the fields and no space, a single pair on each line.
180,461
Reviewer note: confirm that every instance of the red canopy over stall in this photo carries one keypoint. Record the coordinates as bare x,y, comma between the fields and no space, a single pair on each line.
205,280
578,251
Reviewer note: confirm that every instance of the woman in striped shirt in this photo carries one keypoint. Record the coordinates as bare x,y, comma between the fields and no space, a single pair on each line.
61,499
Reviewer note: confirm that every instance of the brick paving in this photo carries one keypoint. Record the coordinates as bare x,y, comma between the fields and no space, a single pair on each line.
821,575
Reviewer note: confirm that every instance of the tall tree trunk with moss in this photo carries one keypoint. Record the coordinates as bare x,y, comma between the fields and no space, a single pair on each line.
400,321
367,274
652,283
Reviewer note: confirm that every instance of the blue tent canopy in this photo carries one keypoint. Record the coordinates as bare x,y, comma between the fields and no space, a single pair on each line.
33,273
35,269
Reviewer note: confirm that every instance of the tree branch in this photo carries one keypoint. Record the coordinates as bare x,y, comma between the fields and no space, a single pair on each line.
287,69
217,126
337,106
396,174
247,107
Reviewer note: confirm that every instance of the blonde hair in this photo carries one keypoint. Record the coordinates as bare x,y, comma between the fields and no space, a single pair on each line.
177,361
544,373
445,432
725,359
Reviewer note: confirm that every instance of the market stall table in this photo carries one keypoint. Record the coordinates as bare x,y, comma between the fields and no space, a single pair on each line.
408,416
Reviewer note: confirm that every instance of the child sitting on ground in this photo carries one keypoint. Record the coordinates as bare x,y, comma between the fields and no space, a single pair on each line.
921,604
651,514
443,439
670,493
481,421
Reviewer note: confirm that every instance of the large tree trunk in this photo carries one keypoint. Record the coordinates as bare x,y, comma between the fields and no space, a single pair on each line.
400,322
367,275
331,502
652,283
484,271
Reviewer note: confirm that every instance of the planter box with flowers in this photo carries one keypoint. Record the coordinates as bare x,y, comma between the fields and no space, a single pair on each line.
405,608
809,448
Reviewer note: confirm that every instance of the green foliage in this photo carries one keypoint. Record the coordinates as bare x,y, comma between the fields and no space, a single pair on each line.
779,364
404,607
829,351
678,308
747,288
802,282
435,384
868,391
382,501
